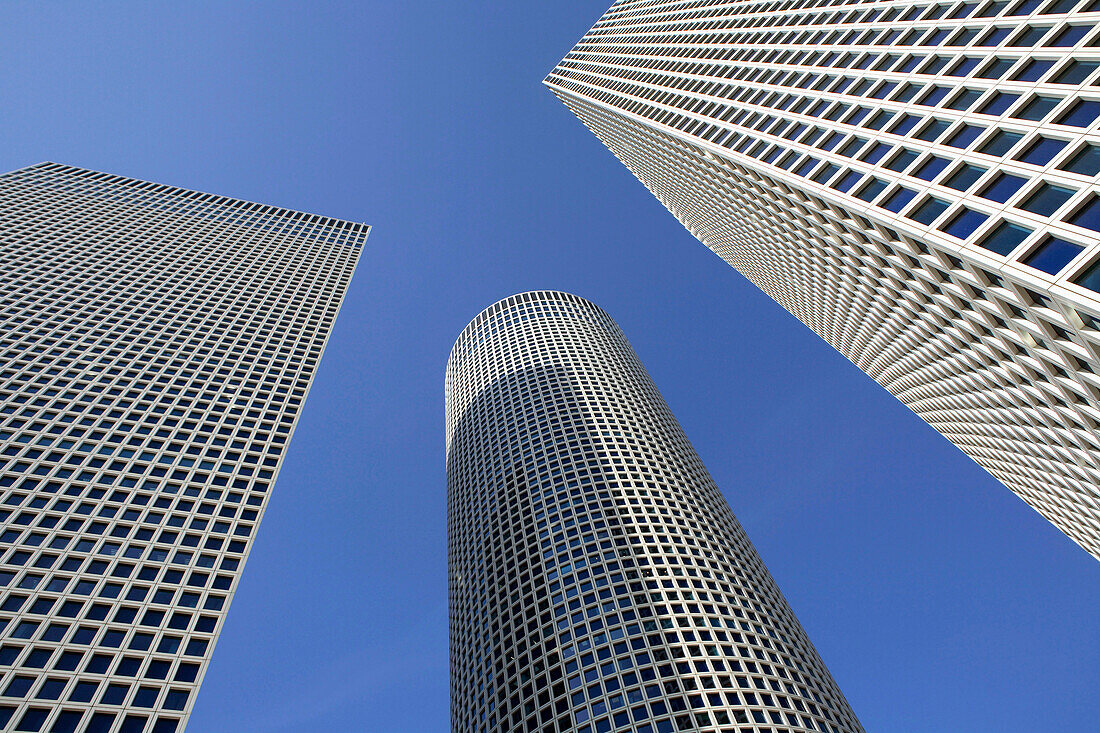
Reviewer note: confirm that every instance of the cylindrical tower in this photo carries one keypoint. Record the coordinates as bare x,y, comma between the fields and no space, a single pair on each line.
598,580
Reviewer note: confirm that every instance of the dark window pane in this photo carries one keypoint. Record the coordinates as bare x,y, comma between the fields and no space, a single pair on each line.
1069,36
1025,7
871,190
1053,255
964,99
1090,278
100,723
847,181
932,168
1088,216
1005,238
1003,187
965,135
1042,151
1037,108
998,103
1033,71
996,68
964,177
933,130
995,37
905,124
66,722
1000,143
1086,161
826,173
899,199
1059,6
1076,72
875,153
1030,37
1046,199
928,211
902,160
33,719
964,223
1081,114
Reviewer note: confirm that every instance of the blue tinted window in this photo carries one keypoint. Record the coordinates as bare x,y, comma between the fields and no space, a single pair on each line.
1005,238
1000,143
1037,108
964,223
999,103
1053,255
928,211
1090,278
964,177
1076,72
1088,216
899,199
1003,187
932,168
1081,114
1086,162
1047,199
1042,151
902,160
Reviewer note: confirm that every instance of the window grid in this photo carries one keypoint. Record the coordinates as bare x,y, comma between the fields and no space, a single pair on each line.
157,345
917,182
598,579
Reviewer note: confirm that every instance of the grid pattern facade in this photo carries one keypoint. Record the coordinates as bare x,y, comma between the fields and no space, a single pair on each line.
156,346
917,182
598,580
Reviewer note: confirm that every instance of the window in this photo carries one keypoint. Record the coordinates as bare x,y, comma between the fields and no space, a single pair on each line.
964,177
1041,151
1004,238
1003,187
963,224
1053,255
1082,114
902,160
1046,199
1085,162
931,168
898,200
1075,72
1088,216
999,103
1037,108
1090,278
1000,143
928,211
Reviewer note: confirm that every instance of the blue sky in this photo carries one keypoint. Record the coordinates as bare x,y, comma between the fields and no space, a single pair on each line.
938,599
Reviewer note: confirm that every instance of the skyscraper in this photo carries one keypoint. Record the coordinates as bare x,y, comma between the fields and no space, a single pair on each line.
598,580
916,182
156,347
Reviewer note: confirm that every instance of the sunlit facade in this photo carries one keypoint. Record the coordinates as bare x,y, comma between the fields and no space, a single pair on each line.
917,182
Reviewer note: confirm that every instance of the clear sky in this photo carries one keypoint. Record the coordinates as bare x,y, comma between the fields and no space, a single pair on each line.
939,600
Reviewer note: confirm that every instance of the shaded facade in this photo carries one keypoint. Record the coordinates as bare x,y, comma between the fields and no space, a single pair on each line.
598,580
156,347
916,182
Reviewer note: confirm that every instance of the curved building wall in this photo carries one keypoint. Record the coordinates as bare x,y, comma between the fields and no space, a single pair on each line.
598,580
